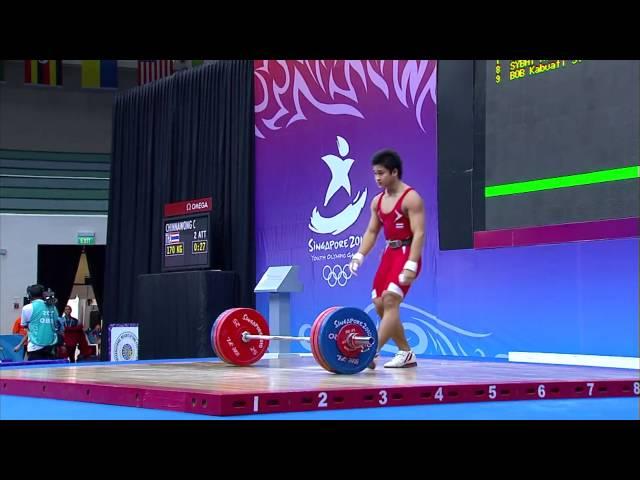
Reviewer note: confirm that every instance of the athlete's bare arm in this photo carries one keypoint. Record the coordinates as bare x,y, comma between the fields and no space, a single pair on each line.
414,209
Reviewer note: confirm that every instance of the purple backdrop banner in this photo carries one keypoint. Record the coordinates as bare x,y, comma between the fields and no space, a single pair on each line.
317,125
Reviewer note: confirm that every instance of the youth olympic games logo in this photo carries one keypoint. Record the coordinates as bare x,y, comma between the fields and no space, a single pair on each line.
339,167
126,347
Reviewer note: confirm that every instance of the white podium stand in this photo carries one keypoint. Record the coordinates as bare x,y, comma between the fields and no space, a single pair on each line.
279,283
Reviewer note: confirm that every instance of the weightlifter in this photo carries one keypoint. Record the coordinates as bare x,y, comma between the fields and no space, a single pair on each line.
399,211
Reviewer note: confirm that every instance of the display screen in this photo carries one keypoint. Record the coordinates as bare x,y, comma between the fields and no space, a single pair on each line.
186,242
562,141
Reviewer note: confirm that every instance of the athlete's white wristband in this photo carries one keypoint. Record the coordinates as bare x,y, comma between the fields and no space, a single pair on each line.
411,265
356,261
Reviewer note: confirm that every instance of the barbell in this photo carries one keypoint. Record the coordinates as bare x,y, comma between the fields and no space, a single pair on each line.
343,339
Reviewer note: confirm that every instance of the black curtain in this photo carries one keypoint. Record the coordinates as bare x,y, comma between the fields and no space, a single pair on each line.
95,259
57,268
187,136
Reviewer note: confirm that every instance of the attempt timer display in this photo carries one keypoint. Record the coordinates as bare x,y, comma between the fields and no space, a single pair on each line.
186,242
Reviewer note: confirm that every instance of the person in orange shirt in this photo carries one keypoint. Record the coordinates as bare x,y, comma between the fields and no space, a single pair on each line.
17,328
20,330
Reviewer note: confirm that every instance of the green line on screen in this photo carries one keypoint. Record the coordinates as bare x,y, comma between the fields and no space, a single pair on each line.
600,176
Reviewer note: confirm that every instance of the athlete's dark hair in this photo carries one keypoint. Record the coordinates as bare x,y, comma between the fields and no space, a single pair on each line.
388,159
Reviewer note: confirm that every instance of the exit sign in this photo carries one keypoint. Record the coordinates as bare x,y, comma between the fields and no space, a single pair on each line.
86,238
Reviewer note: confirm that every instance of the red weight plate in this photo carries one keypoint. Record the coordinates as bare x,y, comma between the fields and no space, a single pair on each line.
312,340
215,335
228,336
314,337
315,349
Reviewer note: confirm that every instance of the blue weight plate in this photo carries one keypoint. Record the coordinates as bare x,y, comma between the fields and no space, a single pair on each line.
333,328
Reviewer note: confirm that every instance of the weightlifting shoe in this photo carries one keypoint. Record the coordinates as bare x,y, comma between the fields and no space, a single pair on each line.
402,359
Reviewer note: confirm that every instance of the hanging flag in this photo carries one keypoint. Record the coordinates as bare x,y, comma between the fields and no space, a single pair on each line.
99,74
151,70
43,72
